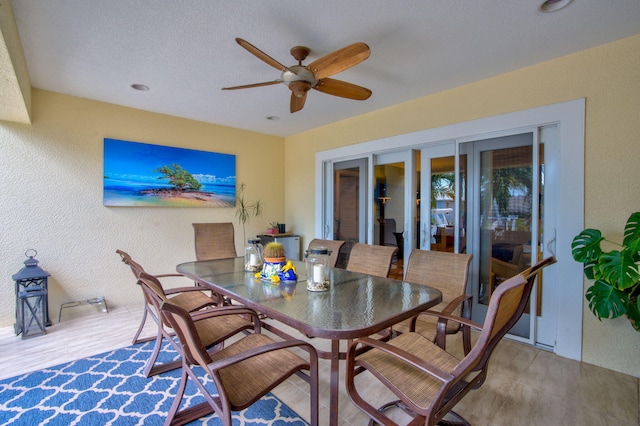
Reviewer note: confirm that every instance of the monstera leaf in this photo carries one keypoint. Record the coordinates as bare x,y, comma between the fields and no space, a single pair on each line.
585,249
616,273
632,235
619,269
605,301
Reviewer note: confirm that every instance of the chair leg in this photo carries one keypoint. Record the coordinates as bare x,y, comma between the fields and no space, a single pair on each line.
154,355
178,398
466,339
398,404
144,319
453,419
177,417
150,369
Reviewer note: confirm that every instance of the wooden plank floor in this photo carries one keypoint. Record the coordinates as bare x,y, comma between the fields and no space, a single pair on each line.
525,385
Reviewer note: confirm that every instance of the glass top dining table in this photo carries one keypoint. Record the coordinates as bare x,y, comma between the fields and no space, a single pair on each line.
356,304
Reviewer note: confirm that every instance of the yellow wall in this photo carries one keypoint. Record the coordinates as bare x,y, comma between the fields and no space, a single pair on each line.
51,198
607,76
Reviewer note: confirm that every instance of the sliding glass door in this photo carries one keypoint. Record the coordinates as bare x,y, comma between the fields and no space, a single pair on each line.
504,189
443,200
346,205
394,204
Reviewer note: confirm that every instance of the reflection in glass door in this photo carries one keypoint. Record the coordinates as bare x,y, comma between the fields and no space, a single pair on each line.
508,201
394,205
444,200
349,218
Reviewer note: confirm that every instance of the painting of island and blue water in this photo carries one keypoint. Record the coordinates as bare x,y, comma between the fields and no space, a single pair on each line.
140,174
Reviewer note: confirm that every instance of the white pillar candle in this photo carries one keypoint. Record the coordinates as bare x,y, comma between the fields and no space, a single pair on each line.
253,259
318,273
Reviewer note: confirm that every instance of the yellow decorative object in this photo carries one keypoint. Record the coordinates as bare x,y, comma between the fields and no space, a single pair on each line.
289,266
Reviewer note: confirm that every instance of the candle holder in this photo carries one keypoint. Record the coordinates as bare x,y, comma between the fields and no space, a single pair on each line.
253,256
317,264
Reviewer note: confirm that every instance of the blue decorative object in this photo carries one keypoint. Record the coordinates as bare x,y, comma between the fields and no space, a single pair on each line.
288,275
110,389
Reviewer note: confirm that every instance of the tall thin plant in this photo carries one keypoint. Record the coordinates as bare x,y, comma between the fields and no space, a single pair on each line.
245,209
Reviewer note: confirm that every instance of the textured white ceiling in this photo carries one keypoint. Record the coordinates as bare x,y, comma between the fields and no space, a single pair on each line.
185,50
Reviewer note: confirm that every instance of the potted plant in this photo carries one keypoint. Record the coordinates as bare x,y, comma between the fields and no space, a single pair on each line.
274,259
244,209
273,228
274,252
615,273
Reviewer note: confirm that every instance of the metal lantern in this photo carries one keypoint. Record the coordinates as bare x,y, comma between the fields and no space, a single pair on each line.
32,304
318,274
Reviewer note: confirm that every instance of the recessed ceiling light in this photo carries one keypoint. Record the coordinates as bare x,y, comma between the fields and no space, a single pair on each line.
273,118
550,6
140,87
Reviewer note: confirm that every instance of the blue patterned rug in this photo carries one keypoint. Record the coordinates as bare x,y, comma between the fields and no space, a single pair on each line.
110,389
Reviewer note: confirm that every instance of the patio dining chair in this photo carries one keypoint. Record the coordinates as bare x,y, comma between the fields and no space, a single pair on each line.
212,333
214,241
428,380
448,273
189,298
242,372
333,246
371,259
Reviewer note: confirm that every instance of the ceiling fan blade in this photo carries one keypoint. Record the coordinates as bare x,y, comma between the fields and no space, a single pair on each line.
297,103
261,55
246,86
343,89
339,60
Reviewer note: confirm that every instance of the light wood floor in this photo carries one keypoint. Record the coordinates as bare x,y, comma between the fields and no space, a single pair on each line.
525,385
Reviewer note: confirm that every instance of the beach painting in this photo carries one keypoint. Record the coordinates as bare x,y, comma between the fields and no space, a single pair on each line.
146,175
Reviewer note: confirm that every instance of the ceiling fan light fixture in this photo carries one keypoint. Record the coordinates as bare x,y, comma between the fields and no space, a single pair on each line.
299,88
550,6
302,78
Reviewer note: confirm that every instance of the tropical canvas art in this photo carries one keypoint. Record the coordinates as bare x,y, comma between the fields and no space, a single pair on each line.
140,174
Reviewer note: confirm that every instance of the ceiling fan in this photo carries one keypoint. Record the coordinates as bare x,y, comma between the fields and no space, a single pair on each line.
301,78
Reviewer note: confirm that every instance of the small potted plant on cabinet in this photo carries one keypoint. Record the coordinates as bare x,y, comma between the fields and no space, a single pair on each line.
273,228
615,273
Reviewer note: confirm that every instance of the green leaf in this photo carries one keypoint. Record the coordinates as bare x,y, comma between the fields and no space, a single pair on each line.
618,269
632,233
589,270
633,313
606,301
585,247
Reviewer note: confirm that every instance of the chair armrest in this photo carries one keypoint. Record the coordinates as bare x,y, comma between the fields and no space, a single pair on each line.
175,290
234,359
223,310
455,302
169,275
442,323
449,317
399,353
